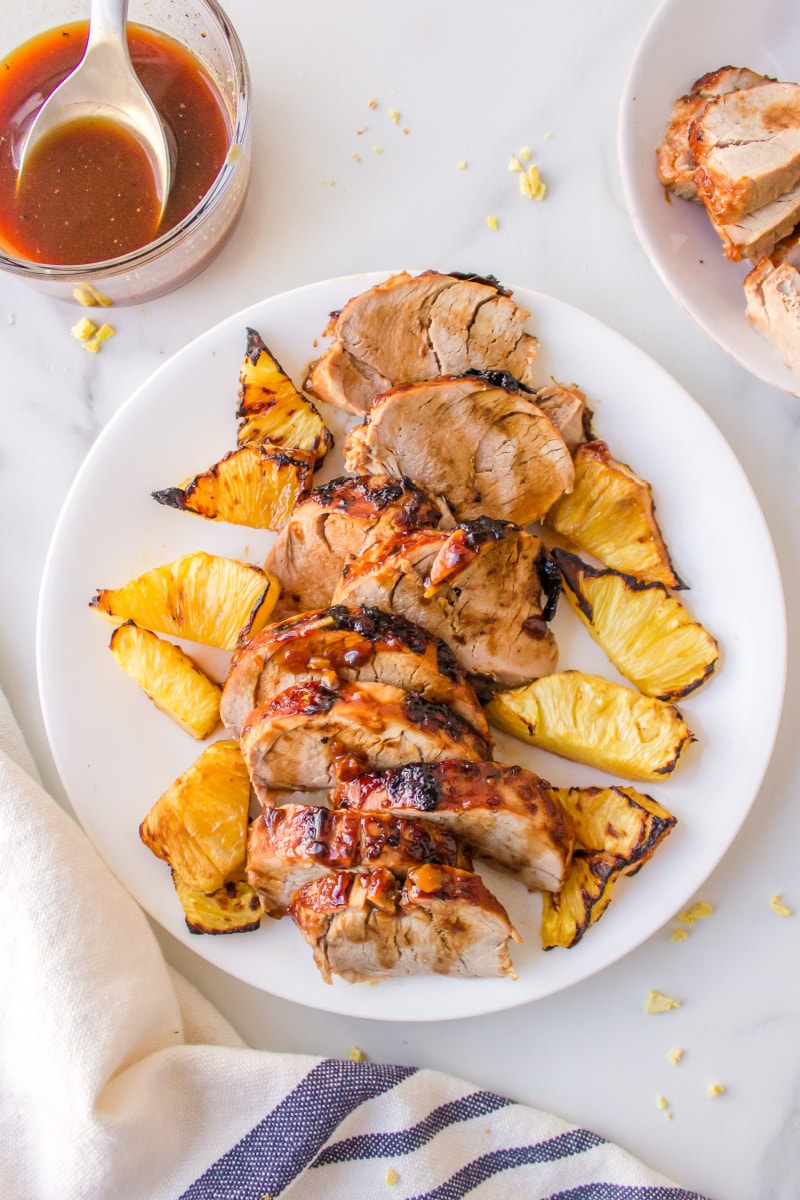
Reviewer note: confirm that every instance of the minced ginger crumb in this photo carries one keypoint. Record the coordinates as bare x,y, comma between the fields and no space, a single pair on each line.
778,907
679,935
531,184
662,1102
462,164
83,329
514,164
715,1089
373,103
657,1002
697,912
675,1056
392,1177
394,115
526,154
378,149
492,222
357,1054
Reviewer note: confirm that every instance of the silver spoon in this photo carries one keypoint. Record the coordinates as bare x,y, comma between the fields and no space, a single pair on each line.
104,84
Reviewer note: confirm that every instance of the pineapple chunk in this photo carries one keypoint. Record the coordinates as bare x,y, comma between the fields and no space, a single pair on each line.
618,821
591,720
646,633
169,677
272,411
251,486
610,513
232,908
207,599
199,825
585,896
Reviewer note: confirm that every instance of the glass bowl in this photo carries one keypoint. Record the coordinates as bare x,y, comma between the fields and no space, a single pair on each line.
180,253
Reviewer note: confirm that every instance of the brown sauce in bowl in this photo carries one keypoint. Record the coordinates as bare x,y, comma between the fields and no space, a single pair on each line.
88,191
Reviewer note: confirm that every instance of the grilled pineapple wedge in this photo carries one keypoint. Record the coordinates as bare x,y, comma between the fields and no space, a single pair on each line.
646,633
169,677
202,597
271,409
199,825
610,514
591,720
254,486
620,821
617,829
232,908
585,896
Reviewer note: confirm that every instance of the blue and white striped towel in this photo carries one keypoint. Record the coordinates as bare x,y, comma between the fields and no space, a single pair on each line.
117,1079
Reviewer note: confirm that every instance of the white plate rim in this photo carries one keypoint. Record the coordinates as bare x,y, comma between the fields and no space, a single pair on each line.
460,1004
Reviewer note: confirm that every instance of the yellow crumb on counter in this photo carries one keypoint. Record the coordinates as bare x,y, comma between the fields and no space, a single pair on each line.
378,149
373,103
715,1089
462,164
532,185
679,935
357,157
514,164
526,154
778,907
392,1177
394,115
657,1002
662,1102
357,1054
492,222
697,912
675,1056
83,329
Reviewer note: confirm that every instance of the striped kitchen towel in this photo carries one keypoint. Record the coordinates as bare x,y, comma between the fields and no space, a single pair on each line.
119,1080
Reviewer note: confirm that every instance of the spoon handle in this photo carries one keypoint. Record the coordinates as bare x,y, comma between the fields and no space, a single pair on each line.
107,26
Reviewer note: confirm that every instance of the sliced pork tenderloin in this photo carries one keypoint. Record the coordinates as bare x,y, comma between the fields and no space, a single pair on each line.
759,232
772,290
311,735
747,148
346,643
441,921
479,588
480,442
565,405
288,847
332,526
675,161
412,328
503,813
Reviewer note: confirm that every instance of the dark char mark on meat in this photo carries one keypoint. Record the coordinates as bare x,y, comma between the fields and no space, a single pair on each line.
500,379
550,577
377,625
488,280
430,715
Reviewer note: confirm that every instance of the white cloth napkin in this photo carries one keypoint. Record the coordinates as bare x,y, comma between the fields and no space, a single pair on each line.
117,1079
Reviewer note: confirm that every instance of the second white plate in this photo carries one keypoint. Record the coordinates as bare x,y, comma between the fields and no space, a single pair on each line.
684,40
116,753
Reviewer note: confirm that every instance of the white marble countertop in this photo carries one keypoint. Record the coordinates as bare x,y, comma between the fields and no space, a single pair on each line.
472,82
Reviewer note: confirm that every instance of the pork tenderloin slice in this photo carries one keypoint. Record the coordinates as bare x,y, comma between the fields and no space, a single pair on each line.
332,526
747,148
675,162
565,405
311,734
288,847
503,813
758,233
411,328
442,921
486,449
773,307
478,588
350,644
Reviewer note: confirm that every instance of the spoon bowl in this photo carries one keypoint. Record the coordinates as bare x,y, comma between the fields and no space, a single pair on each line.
105,87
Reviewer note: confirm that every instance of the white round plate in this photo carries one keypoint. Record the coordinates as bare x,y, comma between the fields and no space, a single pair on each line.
684,40
117,753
